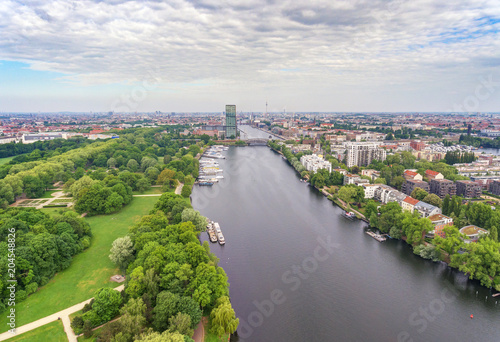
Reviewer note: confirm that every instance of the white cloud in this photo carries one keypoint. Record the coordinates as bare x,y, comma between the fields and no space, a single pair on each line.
261,47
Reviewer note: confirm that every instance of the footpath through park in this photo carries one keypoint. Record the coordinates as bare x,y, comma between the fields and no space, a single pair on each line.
63,315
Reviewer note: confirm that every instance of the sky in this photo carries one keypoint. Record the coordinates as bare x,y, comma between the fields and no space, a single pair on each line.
299,56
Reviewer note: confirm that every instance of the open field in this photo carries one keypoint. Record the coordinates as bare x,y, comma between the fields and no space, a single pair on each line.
150,191
53,332
8,159
48,193
54,211
89,270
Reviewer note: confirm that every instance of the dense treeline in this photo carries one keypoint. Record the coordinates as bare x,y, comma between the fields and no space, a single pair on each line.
479,142
43,246
43,148
459,157
134,152
172,280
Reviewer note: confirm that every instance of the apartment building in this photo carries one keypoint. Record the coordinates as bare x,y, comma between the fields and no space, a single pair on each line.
410,185
362,154
468,189
443,187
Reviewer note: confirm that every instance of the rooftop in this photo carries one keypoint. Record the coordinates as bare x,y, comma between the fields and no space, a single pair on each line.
438,217
411,200
473,230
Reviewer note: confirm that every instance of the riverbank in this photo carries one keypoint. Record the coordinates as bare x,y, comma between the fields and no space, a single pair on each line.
279,245
414,235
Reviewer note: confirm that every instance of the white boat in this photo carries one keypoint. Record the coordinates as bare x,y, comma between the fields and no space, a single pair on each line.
349,214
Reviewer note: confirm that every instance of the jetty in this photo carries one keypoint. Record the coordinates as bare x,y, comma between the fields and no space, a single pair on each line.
378,237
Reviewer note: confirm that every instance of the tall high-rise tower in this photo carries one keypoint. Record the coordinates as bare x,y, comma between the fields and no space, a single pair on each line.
230,121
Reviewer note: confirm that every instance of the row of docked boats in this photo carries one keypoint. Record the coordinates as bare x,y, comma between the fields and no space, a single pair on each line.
210,172
215,233
215,152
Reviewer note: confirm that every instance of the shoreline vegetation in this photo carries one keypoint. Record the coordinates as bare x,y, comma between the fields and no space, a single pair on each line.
390,219
168,264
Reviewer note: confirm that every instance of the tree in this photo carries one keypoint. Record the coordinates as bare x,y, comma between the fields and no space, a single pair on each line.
166,307
33,186
152,173
83,183
133,165
419,193
494,233
194,216
397,182
122,252
106,304
147,162
446,205
87,329
165,176
371,207
166,336
133,321
347,194
433,200
136,285
111,163
205,138
186,191
224,320
181,323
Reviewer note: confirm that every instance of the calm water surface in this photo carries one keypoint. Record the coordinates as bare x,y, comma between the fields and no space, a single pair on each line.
329,280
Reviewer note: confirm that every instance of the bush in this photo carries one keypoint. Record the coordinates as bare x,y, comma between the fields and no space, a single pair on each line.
186,191
87,329
77,325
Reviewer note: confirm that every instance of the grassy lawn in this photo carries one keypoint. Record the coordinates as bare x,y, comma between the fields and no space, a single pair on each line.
89,270
209,337
53,332
54,211
150,191
8,159
48,193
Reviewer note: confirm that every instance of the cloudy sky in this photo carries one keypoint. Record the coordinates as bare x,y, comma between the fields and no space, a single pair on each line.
300,55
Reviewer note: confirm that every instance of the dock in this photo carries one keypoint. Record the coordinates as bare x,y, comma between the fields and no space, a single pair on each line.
378,237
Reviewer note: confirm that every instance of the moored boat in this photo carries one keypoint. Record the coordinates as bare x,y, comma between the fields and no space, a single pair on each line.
349,214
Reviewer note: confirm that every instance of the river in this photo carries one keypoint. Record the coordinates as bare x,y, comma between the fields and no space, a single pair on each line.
299,271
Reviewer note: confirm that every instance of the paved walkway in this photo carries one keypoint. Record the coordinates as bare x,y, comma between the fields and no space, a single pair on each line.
199,333
64,315
179,188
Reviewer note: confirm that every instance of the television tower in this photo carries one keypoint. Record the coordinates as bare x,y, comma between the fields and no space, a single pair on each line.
266,109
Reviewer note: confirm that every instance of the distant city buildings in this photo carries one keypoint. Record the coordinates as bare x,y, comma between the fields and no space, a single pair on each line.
362,154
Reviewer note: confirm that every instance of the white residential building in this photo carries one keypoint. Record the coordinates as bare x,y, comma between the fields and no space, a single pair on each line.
370,190
362,154
314,163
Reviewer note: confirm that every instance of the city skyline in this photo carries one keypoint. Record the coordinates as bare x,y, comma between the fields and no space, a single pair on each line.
195,56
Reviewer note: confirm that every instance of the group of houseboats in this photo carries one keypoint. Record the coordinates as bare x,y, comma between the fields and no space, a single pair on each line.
210,172
215,233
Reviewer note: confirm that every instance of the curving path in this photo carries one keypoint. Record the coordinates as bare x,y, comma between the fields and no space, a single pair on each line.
63,315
